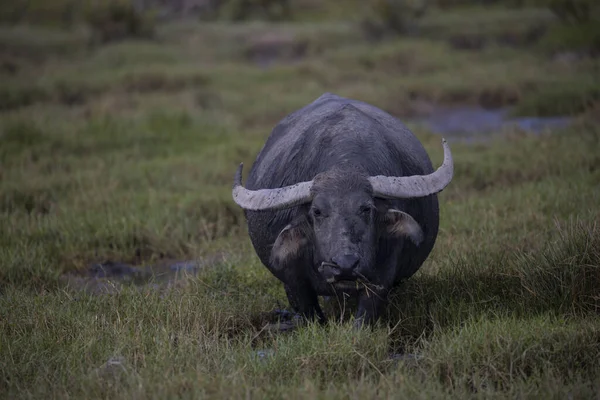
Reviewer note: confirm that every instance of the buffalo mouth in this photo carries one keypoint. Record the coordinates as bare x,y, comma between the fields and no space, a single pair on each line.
329,272
355,285
356,281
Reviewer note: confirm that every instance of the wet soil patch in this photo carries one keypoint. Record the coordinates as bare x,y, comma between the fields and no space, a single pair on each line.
110,277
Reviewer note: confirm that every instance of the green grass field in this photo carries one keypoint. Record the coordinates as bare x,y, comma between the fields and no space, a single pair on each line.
126,152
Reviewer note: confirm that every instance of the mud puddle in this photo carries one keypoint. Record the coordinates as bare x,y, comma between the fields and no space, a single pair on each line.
472,122
110,277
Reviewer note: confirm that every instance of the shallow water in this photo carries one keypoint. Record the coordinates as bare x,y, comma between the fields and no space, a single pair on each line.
110,277
471,121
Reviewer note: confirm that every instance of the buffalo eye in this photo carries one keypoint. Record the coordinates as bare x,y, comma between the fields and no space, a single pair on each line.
366,209
319,211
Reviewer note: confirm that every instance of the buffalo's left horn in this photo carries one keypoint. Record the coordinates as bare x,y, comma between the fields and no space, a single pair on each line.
405,187
270,199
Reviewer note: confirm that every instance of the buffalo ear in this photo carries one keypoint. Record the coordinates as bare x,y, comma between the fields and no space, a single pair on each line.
290,242
400,224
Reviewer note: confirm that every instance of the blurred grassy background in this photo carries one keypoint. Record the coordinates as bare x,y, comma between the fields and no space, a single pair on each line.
122,123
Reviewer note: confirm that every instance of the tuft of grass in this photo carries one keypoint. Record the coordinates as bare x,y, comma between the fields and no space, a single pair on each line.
17,96
494,354
560,99
567,274
475,28
580,37
559,279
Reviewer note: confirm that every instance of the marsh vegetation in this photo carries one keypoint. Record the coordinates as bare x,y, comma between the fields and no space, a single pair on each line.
124,151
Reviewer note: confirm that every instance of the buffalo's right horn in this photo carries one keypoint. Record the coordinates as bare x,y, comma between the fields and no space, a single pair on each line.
270,199
406,187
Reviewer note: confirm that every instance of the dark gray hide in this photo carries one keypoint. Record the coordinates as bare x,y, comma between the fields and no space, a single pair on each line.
345,141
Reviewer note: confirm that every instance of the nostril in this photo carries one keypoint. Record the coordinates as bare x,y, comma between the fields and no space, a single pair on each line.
346,261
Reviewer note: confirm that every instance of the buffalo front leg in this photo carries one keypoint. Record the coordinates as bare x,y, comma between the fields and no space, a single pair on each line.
370,307
303,299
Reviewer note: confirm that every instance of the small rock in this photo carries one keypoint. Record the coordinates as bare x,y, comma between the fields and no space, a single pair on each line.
112,367
283,314
264,354
281,326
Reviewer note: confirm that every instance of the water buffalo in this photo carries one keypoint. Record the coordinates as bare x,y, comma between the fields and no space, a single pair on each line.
342,199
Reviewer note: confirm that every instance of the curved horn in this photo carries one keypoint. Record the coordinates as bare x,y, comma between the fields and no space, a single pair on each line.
269,199
405,187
